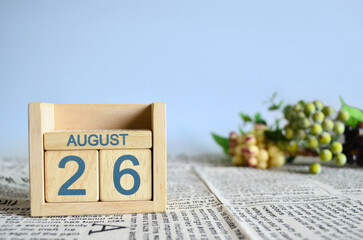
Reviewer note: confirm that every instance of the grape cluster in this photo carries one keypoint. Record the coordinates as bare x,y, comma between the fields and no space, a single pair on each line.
253,150
312,126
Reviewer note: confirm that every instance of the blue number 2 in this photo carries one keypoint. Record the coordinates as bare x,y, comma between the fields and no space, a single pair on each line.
117,174
81,166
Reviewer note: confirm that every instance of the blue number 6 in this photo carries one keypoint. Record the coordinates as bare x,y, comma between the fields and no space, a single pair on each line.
117,174
81,166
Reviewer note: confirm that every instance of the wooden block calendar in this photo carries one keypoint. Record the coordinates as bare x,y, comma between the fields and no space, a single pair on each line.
87,159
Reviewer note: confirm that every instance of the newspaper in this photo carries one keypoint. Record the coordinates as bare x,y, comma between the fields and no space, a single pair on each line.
207,199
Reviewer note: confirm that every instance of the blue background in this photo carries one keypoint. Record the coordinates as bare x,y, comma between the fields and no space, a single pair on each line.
208,60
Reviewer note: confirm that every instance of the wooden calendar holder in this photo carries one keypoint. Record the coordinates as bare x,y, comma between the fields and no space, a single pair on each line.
47,117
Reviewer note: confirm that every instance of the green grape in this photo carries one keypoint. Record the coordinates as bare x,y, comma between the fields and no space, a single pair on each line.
316,129
343,115
287,115
289,133
297,107
313,142
324,138
304,123
287,112
309,108
327,110
292,146
290,115
301,134
340,159
287,126
338,127
318,117
287,108
328,124
336,147
300,115
325,155
293,115
319,105
315,168
295,125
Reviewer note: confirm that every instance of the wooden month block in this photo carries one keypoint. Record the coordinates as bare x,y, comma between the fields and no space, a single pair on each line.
97,139
125,175
71,176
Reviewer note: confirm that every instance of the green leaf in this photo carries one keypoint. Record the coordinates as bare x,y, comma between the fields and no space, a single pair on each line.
222,141
245,118
273,107
276,107
258,119
275,135
270,99
241,130
280,103
355,114
273,96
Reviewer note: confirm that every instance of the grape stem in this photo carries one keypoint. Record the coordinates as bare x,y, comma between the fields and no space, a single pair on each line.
303,152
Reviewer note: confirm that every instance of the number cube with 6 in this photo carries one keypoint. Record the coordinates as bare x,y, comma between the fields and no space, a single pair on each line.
97,158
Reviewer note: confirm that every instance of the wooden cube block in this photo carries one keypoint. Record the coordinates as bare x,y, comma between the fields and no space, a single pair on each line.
71,176
125,175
